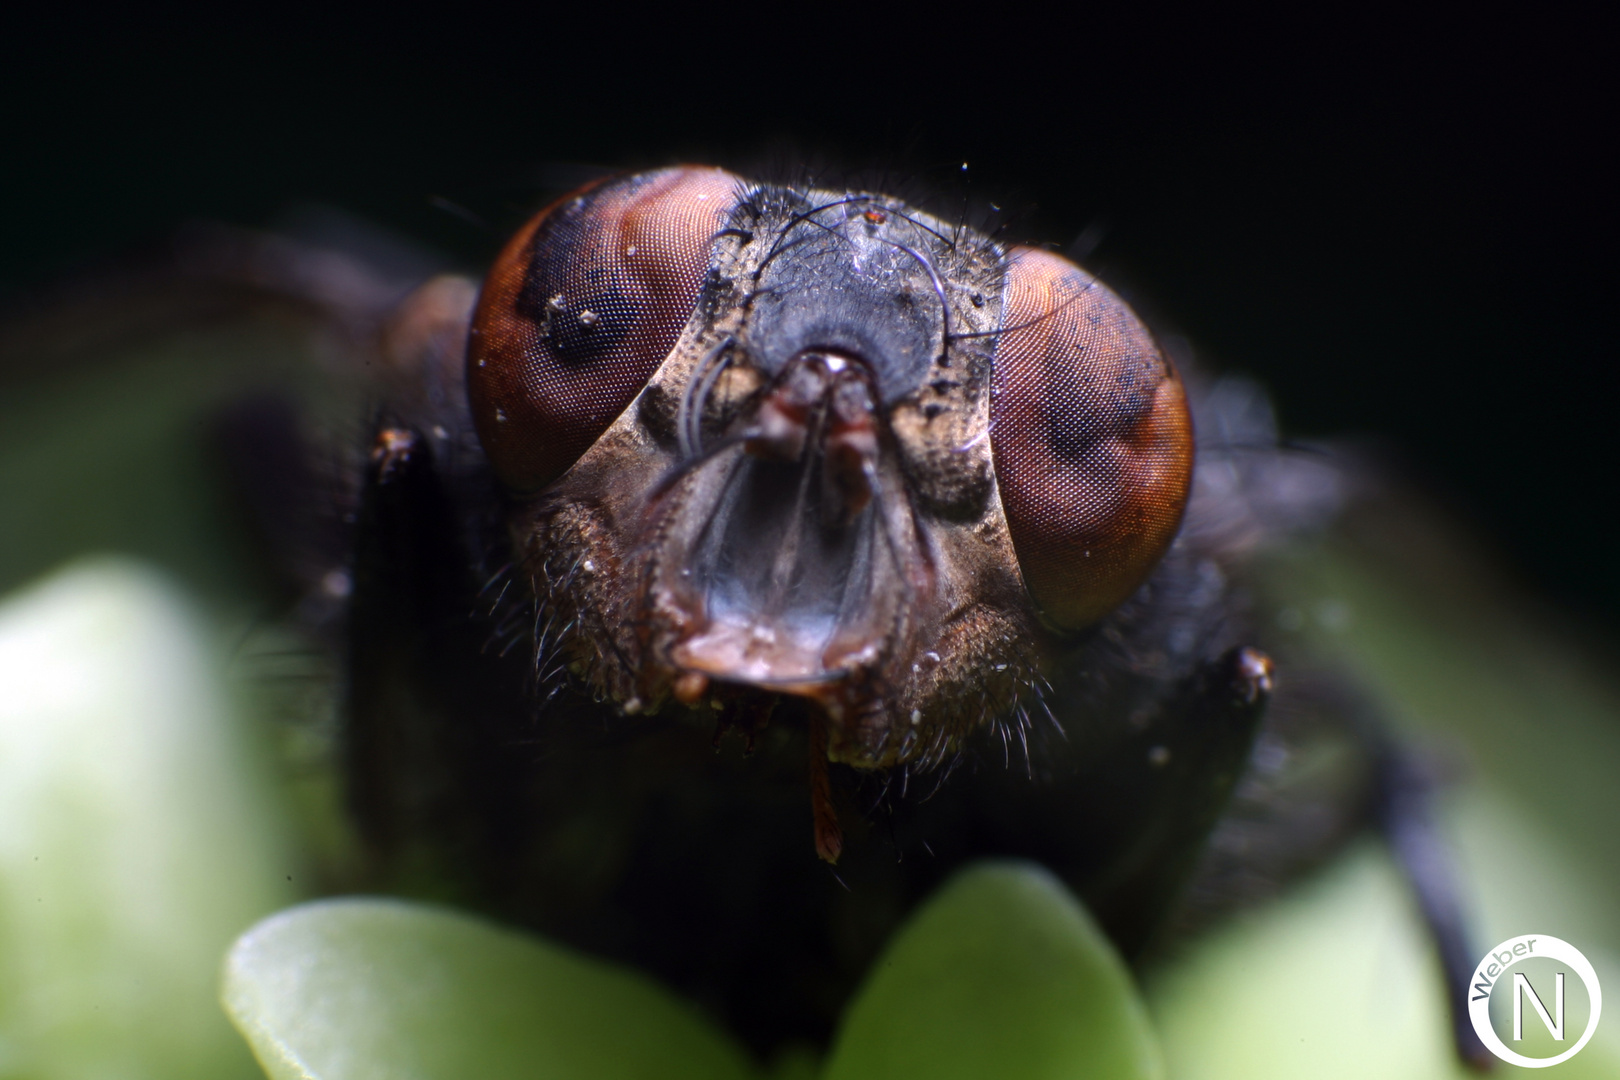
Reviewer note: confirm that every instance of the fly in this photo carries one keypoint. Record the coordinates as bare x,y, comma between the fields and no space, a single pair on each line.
914,513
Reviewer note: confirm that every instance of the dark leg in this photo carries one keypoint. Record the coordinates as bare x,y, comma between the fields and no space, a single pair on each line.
1120,805
1179,777
1288,818
432,706
1405,809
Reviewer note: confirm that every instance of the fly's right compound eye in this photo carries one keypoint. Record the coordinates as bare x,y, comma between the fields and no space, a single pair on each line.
581,308
1091,438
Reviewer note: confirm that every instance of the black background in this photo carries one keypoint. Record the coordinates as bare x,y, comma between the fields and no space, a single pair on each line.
1403,224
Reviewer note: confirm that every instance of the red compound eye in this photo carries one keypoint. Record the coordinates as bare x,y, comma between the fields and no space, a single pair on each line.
581,308
1091,438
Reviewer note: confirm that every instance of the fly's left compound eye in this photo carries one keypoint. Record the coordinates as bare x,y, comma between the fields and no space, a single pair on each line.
581,308
1091,438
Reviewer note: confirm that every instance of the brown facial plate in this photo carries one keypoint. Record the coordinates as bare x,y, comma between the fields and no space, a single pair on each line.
862,420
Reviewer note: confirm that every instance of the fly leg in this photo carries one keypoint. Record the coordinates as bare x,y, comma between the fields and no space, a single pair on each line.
1178,775
1324,768
1120,805
439,648
1405,813
431,697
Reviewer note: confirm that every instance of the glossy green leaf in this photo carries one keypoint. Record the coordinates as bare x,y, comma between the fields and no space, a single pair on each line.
1336,980
361,988
1001,974
135,837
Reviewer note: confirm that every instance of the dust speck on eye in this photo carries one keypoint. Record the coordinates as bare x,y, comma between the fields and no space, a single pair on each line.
500,416
916,717
1159,756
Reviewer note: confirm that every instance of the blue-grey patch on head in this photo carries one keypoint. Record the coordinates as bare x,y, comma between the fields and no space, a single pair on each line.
838,284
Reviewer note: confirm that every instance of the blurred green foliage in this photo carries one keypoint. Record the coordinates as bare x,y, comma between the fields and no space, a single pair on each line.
104,449
138,831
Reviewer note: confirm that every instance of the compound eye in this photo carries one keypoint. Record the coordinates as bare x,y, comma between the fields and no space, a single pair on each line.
1091,439
581,308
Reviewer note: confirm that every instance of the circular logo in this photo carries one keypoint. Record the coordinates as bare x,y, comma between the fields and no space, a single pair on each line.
1497,967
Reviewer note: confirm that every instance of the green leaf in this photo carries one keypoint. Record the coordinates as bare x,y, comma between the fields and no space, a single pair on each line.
1336,980
1001,974
136,835
359,988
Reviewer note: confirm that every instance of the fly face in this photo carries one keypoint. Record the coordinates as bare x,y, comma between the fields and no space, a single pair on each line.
765,442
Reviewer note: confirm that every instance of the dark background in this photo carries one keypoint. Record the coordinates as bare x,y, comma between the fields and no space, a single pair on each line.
1403,224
